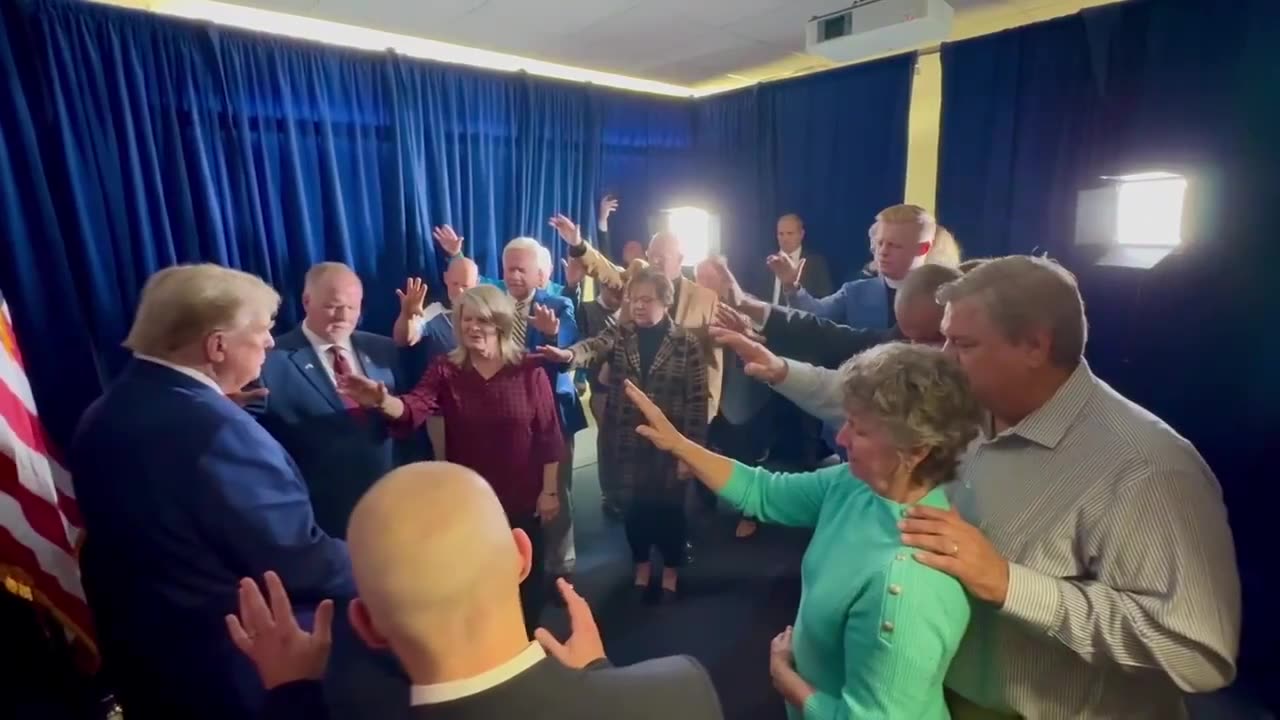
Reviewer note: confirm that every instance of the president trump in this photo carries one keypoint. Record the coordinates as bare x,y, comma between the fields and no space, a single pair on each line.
183,494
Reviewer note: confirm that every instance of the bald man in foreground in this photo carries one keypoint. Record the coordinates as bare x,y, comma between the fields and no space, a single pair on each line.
438,571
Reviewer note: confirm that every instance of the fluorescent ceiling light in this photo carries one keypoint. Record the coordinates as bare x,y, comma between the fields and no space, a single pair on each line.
336,33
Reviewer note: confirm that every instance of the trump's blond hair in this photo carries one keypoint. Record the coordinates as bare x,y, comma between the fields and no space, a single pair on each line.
183,304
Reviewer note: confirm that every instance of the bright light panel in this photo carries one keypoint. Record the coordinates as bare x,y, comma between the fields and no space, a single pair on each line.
351,36
1150,210
692,227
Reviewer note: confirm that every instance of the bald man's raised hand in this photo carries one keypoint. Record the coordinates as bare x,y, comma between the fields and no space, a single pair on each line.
269,635
584,645
448,240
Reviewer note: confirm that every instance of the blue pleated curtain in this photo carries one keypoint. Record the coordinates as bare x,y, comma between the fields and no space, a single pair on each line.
1031,116
133,141
830,147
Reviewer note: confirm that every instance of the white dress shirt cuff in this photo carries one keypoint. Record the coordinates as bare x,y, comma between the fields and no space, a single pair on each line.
815,390
1033,597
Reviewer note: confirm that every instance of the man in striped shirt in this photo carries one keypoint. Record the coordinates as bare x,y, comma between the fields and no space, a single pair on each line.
1092,537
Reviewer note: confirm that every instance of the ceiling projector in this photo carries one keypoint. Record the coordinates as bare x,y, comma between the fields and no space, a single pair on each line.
870,28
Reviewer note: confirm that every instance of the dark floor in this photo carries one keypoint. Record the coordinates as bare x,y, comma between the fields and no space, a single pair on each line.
737,596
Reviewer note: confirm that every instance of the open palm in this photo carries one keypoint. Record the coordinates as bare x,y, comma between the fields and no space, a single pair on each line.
658,429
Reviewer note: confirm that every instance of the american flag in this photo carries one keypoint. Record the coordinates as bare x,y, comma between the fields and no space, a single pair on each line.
40,525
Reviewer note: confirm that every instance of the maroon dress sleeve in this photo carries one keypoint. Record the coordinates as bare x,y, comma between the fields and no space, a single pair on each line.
548,443
423,400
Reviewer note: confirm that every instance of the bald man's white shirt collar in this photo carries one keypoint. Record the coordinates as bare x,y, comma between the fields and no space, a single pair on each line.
458,689
192,373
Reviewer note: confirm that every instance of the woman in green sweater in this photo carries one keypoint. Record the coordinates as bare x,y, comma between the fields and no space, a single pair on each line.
876,629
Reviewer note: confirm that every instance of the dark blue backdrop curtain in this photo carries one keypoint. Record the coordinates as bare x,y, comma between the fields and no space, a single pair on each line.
831,147
132,141
1033,115
648,163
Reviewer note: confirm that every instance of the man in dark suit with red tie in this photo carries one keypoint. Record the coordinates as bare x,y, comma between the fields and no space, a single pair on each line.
341,449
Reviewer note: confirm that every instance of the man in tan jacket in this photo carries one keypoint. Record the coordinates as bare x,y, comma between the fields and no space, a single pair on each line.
694,305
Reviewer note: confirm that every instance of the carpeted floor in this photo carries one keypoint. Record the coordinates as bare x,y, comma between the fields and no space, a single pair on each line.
738,594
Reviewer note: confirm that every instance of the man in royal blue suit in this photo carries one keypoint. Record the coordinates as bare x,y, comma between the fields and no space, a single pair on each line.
341,449
183,494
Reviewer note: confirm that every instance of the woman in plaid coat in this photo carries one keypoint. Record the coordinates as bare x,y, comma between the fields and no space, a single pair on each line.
669,364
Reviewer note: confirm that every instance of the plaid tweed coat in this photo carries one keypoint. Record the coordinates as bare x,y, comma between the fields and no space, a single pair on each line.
677,384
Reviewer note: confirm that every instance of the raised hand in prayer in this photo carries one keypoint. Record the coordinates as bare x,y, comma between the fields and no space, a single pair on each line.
658,429
367,393
269,635
758,361
545,320
567,230
787,271
558,356
735,321
413,299
448,240
584,646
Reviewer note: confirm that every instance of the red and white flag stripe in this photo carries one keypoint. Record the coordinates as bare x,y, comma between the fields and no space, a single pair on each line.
40,525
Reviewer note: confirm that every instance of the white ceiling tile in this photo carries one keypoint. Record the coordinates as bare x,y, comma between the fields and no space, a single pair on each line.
695,68
556,19
690,42
784,25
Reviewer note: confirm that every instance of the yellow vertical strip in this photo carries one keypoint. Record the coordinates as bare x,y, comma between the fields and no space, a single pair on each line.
923,126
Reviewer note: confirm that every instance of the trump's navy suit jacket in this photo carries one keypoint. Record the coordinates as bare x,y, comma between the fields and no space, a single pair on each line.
340,454
572,418
183,494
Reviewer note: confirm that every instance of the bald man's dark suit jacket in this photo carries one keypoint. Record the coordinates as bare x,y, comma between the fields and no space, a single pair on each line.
662,689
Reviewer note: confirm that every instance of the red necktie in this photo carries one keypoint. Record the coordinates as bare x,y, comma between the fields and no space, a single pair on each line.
341,369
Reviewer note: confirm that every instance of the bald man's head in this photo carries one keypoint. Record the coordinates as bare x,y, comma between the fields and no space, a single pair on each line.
916,307
790,233
461,275
433,556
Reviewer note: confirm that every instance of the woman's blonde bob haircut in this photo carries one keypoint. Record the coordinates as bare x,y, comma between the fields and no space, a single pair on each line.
922,399
490,305
183,304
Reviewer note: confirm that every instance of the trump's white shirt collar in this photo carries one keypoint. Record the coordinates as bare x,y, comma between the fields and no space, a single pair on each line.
457,689
188,371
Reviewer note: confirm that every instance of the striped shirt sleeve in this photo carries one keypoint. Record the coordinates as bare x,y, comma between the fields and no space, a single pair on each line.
1175,610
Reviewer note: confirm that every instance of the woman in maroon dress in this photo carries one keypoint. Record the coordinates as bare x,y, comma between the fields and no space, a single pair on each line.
499,416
